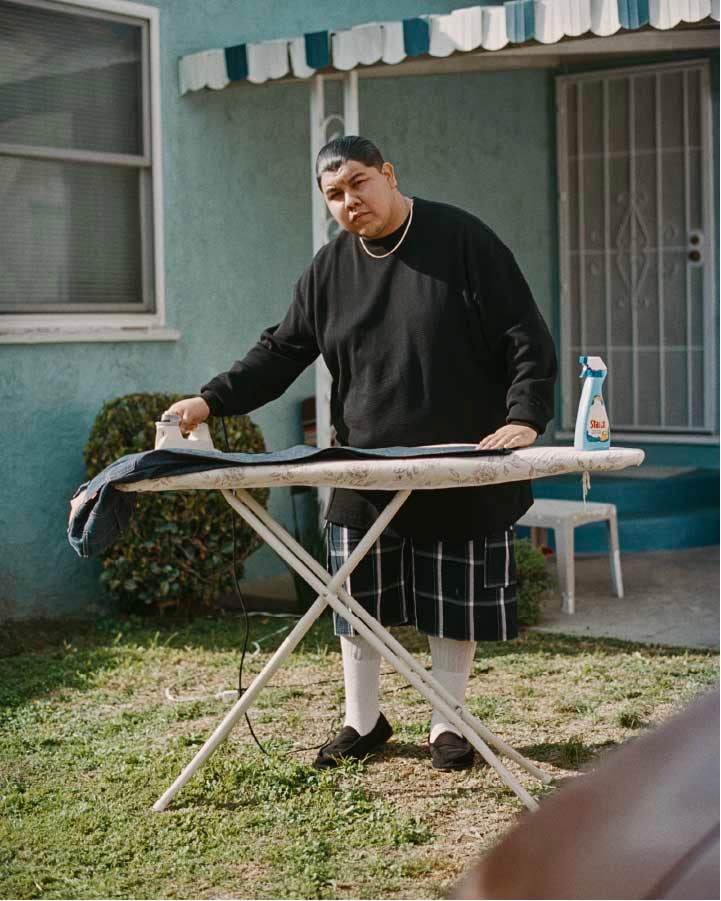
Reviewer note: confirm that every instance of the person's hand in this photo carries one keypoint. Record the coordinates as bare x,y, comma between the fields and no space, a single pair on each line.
512,435
192,410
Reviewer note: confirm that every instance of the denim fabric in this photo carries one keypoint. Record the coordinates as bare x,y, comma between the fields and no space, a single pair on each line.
105,513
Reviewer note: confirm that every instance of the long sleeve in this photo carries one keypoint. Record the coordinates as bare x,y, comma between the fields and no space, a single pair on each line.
272,364
521,345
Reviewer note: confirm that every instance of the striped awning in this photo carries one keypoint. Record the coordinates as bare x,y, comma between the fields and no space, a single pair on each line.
471,28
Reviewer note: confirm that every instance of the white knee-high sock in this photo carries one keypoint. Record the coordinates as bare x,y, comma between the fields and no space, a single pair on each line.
361,674
452,662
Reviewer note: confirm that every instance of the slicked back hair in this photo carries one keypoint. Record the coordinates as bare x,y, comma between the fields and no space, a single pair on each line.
340,150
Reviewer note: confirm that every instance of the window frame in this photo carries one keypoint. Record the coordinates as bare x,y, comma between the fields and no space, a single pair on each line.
27,327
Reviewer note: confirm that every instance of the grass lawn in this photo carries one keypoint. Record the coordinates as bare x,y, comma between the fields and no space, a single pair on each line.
98,722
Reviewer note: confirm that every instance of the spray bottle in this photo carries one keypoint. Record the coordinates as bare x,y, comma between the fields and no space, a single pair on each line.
592,427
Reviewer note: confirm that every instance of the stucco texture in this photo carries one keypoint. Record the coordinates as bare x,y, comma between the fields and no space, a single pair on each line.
484,142
237,202
237,212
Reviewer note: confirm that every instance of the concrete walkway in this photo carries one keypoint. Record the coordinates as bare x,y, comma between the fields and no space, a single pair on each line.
671,598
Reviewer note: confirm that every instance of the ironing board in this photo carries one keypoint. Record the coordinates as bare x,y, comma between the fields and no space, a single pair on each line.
400,476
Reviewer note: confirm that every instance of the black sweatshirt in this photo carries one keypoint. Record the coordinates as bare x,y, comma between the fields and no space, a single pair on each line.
439,342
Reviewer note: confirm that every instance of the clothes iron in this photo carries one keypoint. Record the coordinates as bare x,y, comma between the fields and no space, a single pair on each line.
168,435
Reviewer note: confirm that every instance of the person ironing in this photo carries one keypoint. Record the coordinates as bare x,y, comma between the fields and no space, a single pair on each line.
431,336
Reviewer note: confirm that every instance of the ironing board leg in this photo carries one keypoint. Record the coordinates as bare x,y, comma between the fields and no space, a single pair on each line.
287,647
248,501
378,642
615,553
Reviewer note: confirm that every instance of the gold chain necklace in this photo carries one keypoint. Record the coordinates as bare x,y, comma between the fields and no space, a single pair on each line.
380,256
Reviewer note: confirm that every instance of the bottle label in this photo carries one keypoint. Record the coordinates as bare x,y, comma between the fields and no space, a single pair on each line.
597,426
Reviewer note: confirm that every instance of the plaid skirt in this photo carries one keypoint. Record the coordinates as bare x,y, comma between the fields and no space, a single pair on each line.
464,590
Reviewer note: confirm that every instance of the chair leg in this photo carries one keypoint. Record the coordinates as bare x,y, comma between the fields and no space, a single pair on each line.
566,567
614,553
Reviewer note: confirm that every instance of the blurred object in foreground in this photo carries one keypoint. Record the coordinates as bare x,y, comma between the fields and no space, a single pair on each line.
645,824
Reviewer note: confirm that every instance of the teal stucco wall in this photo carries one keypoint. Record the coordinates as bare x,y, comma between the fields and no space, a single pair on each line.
482,141
237,235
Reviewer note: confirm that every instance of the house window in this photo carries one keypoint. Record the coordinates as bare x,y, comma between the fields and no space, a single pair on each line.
637,246
78,198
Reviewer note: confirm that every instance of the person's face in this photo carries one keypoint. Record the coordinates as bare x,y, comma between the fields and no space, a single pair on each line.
361,198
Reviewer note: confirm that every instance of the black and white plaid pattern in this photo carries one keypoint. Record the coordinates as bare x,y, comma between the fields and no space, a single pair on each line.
454,589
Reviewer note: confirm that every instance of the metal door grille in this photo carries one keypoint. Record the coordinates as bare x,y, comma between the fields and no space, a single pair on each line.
636,243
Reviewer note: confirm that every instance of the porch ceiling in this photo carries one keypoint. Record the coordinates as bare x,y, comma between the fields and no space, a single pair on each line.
514,24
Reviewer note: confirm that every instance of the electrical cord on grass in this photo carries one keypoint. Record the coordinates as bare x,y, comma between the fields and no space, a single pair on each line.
232,694
244,608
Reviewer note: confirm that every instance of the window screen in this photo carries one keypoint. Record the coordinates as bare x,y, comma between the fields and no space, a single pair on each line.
75,176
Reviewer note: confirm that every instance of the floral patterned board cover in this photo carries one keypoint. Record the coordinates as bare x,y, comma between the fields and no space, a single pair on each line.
397,474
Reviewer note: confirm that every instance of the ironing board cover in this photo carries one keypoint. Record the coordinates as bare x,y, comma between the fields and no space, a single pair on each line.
102,508
100,513
423,471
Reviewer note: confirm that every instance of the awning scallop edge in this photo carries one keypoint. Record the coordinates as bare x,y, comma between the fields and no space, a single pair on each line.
471,28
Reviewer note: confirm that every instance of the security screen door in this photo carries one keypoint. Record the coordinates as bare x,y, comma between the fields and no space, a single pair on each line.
636,244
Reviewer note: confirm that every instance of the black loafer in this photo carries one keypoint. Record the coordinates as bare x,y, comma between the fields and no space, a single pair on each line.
348,744
451,752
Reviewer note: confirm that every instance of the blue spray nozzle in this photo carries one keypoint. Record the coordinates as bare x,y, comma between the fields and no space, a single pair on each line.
592,367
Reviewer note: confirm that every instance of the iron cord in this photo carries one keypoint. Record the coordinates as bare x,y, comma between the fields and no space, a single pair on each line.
241,600
244,608
232,694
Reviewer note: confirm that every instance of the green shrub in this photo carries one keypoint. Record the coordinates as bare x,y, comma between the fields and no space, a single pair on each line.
534,581
177,555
